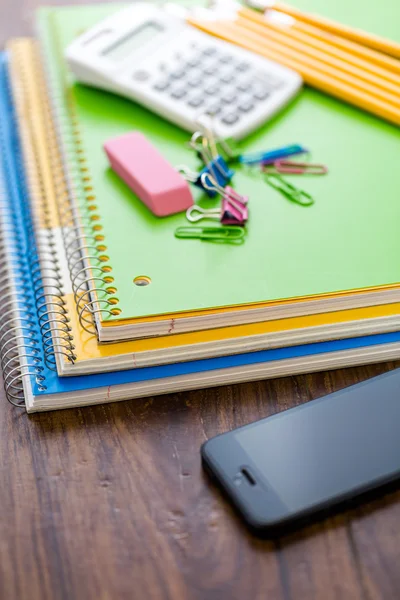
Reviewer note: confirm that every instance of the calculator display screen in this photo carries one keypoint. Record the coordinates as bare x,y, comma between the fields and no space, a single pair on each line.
124,46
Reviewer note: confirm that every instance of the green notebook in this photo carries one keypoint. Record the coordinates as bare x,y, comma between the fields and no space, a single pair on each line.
348,240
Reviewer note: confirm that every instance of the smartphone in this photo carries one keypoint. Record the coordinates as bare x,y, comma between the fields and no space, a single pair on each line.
301,463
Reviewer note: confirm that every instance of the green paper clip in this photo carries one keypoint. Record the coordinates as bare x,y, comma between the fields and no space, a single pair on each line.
288,190
220,235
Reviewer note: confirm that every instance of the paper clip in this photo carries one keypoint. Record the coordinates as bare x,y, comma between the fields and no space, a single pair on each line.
272,155
228,149
291,167
221,235
206,148
288,190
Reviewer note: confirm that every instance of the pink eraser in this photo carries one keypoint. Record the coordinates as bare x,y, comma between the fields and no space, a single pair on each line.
148,174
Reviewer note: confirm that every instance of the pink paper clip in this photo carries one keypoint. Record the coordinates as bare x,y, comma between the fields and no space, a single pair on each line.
291,167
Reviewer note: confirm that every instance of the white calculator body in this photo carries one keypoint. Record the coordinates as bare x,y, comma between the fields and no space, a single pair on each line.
151,55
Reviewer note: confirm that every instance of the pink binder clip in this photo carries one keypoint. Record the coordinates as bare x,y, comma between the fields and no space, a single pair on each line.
148,174
234,210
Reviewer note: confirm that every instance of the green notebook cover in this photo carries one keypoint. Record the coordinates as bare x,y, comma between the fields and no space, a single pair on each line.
349,239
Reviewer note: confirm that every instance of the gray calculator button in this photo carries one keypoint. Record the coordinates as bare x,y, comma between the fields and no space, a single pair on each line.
245,85
161,85
210,70
243,66
230,118
213,109
196,101
209,51
246,106
178,93
141,75
194,81
226,58
228,97
227,77
262,93
177,74
194,61
211,89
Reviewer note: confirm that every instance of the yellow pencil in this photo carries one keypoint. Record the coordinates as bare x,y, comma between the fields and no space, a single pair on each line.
356,35
313,76
285,47
322,52
373,62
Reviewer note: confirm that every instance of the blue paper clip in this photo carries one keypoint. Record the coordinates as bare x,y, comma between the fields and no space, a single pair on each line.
272,155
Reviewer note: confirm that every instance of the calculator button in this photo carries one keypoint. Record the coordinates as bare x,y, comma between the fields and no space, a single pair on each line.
141,75
194,81
230,118
178,93
177,74
211,89
262,93
227,77
245,85
196,101
243,66
229,97
210,70
246,106
213,109
194,61
161,85
225,59
209,51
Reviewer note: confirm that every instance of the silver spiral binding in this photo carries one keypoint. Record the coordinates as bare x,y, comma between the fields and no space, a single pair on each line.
92,284
20,353
45,270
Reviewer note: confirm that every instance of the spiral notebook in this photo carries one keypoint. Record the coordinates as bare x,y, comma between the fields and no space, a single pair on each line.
27,354
41,153
339,254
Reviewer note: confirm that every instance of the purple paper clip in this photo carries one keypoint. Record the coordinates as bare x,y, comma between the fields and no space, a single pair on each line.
291,167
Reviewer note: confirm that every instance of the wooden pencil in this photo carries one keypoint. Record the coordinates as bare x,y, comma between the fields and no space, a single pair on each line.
323,52
374,62
370,40
314,77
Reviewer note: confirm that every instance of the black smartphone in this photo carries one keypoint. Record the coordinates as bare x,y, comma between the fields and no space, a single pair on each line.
298,464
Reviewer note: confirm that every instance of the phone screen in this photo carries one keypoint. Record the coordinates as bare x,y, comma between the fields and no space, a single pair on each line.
330,446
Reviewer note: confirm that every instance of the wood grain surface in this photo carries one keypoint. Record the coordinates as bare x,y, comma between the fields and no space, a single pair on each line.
111,503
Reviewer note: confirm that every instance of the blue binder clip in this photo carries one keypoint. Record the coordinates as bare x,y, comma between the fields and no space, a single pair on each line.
215,164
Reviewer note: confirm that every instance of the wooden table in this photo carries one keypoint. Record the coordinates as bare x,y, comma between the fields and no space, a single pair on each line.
111,503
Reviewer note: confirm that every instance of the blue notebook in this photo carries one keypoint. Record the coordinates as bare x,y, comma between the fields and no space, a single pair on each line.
25,338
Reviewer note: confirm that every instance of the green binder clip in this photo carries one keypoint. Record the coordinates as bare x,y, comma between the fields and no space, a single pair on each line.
219,235
288,190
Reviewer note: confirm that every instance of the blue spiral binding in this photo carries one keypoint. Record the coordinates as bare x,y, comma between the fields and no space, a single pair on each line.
26,290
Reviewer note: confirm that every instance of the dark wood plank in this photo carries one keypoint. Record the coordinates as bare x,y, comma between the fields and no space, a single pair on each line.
110,502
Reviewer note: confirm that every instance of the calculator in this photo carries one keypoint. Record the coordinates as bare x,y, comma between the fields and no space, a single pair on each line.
149,54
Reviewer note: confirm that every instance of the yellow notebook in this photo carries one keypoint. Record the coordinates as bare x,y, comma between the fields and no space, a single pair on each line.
48,193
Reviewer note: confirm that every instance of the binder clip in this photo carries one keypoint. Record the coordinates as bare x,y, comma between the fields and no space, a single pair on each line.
233,211
206,148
